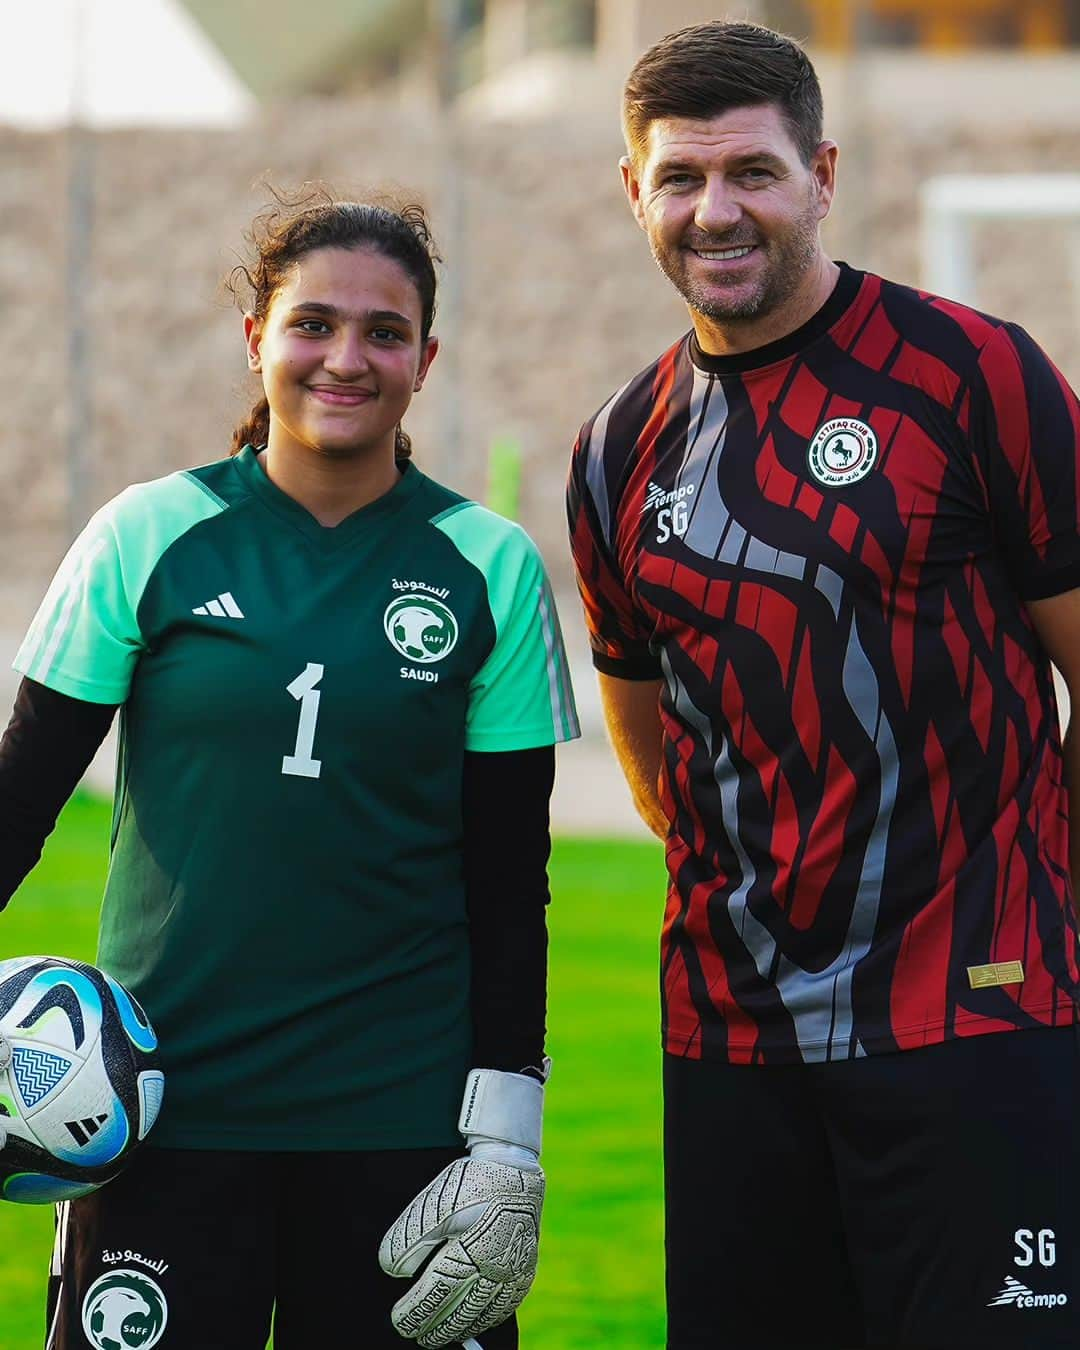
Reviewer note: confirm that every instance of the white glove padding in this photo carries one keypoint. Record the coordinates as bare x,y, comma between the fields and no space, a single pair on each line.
479,1220
485,1219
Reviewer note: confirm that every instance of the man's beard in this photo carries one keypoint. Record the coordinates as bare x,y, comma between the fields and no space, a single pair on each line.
787,262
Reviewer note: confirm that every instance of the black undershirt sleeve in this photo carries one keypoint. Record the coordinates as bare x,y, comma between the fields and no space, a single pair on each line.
46,749
507,845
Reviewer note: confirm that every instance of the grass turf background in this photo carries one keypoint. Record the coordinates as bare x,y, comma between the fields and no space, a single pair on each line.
600,1280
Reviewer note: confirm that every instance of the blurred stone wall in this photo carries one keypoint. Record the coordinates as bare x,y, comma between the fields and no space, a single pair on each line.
560,300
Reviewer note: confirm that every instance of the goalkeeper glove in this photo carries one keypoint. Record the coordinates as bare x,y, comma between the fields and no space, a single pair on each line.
478,1221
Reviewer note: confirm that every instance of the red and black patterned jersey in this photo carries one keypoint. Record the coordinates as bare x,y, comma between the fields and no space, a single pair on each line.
823,547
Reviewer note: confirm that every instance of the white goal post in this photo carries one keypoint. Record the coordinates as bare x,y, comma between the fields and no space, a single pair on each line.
952,204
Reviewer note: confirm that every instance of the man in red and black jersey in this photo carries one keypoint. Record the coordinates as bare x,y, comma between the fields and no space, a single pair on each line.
828,545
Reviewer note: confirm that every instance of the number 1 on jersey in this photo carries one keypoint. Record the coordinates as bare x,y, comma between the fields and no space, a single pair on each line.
300,763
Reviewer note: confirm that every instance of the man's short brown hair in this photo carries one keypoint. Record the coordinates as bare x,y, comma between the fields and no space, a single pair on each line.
703,71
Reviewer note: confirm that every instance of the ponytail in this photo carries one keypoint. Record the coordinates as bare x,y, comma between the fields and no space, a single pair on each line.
402,446
254,429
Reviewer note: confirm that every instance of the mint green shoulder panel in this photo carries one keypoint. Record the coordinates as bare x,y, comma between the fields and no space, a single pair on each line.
521,696
85,638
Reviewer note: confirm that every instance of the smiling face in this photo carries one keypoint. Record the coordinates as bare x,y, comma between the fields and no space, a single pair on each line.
340,352
731,210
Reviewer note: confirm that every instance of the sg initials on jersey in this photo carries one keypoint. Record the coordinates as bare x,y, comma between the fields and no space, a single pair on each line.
672,509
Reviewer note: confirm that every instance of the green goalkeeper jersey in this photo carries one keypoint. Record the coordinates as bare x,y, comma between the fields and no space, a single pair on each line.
285,894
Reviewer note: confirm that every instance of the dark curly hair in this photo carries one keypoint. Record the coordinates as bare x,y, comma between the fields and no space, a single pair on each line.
299,225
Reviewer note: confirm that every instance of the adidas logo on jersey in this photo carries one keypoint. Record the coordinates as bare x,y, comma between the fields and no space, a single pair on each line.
224,607
1020,1296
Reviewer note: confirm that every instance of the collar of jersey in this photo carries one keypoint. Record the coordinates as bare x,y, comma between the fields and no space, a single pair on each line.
328,536
843,293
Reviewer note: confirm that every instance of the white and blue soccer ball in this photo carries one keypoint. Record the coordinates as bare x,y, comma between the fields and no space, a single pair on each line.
80,1078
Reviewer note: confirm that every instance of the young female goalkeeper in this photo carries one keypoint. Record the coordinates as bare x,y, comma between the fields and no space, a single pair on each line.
340,687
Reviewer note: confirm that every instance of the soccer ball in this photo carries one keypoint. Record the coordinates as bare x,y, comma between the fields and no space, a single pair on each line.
80,1080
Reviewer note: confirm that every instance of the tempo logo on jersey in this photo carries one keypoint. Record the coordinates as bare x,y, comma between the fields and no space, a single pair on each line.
659,496
124,1310
842,452
420,628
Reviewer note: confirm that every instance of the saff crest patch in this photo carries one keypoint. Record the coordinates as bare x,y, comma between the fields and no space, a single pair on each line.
842,452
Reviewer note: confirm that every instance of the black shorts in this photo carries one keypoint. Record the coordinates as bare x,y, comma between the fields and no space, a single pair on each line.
927,1200
209,1246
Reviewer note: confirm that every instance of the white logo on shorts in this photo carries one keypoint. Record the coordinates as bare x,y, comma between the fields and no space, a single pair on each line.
124,1310
1018,1295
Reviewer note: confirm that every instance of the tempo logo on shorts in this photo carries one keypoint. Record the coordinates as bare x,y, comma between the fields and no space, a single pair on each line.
1018,1295
843,451
124,1310
420,628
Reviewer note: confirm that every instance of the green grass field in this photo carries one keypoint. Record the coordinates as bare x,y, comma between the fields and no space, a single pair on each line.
600,1280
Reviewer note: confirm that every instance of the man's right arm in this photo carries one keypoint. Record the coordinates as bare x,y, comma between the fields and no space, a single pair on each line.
620,636
632,716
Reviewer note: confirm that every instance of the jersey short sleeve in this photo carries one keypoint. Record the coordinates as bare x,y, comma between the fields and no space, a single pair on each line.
1026,424
521,696
85,639
618,633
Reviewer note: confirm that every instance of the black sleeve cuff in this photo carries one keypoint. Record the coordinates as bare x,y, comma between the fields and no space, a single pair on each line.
1045,585
643,666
